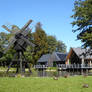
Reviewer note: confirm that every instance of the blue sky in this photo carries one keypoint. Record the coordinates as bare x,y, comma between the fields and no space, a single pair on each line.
53,14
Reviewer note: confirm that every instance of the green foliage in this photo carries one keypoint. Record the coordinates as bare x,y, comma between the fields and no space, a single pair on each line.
83,21
34,73
3,41
61,47
55,45
29,54
52,43
40,40
43,44
55,73
52,68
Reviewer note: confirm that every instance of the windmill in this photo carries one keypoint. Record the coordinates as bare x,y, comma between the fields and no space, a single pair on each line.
19,42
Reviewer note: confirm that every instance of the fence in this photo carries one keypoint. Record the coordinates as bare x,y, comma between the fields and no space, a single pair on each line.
74,66
40,66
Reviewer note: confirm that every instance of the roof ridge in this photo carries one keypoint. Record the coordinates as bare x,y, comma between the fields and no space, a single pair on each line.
60,53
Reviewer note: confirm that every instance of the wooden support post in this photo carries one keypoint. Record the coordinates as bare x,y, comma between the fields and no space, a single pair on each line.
73,70
86,71
23,67
90,63
82,62
69,72
20,60
77,68
68,62
81,71
17,69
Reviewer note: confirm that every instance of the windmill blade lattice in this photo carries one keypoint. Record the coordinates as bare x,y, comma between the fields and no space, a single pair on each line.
19,41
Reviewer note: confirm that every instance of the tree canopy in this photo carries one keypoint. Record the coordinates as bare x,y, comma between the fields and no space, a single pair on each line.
83,21
52,43
60,47
40,40
43,44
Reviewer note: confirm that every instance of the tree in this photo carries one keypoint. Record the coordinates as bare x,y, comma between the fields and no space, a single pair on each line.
83,21
52,43
60,47
4,40
40,40
43,44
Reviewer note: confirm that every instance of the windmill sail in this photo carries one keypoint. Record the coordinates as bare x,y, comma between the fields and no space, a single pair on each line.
10,44
6,28
19,36
14,29
26,25
28,42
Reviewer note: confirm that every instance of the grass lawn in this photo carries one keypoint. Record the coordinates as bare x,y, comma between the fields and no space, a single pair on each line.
31,84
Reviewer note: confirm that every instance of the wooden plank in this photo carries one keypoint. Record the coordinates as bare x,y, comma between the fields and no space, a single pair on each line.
68,56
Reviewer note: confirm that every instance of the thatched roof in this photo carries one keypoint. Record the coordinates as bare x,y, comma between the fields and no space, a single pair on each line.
44,58
55,56
80,51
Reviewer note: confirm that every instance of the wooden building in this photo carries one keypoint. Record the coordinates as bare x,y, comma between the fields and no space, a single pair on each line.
58,58
73,60
76,60
75,56
51,60
44,60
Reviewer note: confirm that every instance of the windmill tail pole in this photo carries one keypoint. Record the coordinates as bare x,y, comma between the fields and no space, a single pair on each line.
26,25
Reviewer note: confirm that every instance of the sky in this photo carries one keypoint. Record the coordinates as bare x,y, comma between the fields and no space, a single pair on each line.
54,16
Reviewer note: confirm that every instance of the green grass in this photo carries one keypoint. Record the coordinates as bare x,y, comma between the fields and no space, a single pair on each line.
12,71
32,84
52,68
5,68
